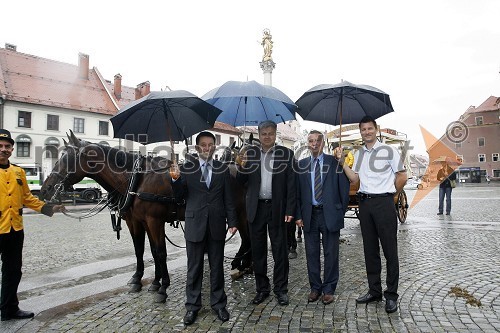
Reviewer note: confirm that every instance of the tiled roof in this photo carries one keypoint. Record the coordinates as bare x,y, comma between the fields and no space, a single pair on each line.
490,104
31,79
226,128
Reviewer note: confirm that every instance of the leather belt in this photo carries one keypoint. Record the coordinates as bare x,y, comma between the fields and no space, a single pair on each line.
364,196
266,201
317,206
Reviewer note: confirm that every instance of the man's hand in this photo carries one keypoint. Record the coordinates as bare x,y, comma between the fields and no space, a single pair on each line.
288,218
175,173
58,208
339,154
299,223
233,230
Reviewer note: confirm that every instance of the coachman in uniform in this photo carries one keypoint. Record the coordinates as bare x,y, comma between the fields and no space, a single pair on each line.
15,194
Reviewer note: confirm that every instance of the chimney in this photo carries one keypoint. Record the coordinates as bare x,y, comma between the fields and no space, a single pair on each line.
145,88
142,89
10,47
118,86
83,66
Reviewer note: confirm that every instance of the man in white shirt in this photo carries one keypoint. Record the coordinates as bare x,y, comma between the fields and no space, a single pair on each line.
379,169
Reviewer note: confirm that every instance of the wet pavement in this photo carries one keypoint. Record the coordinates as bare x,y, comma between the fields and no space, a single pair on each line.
75,275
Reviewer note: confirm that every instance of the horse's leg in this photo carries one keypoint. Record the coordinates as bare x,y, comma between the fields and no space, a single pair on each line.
138,236
243,260
156,234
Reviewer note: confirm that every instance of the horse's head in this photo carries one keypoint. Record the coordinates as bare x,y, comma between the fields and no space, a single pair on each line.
79,159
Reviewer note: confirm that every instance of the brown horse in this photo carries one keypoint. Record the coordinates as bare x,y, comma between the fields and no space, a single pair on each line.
148,210
113,170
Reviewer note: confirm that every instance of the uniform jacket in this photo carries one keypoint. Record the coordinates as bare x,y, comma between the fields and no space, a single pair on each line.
283,182
14,194
335,193
206,207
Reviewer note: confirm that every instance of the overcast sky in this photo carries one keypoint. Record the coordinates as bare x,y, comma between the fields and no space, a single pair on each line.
434,58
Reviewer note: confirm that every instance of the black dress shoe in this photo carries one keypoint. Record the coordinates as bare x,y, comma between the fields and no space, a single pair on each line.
282,298
260,297
190,317
391,306
368,298
19,314
222,314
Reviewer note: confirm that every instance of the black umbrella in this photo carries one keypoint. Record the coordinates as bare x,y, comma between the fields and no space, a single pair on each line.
343,103
164,116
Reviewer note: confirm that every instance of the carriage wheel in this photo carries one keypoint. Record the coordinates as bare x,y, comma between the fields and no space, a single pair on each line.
402,206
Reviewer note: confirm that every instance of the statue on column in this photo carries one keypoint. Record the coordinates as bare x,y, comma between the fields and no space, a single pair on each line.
267,43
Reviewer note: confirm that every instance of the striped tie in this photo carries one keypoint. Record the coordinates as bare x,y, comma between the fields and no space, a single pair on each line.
318,187
206,175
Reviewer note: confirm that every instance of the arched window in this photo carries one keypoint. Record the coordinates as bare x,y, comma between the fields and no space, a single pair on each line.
52,147
23,145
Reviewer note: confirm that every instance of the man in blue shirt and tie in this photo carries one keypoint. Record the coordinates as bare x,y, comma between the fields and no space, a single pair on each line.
323,195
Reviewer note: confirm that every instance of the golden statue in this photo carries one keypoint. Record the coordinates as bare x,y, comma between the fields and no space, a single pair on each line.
267,43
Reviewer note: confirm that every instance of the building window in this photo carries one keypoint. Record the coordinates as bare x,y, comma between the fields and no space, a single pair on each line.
24,119
23,149
496,173
103,127
217,139
482,157
494,157
190,140
52,122
51,151
480,142
479,120
79,125
460,158
231,140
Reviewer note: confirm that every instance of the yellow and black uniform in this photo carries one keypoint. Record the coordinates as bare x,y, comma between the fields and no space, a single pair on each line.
14,194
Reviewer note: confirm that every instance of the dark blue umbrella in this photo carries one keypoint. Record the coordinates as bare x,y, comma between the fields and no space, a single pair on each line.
164,116
248,103
343,103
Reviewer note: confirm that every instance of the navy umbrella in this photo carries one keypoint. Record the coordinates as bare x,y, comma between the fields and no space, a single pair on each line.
343,103
248,103
164,116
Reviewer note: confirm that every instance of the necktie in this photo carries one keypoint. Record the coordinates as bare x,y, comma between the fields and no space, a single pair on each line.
318,186
206,175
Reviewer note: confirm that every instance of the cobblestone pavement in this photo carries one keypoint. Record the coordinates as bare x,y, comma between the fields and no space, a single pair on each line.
436,255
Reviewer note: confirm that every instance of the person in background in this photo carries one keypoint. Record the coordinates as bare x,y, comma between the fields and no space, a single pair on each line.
322,198
15,194
445,176
381,173
268,172
204,183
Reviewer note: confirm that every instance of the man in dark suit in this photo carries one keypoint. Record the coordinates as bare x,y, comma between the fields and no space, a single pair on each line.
323,195
268,171
205,185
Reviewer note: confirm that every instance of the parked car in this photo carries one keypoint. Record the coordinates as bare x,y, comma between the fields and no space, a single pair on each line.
414,184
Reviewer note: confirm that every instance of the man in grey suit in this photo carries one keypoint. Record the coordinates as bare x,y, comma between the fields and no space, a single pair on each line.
323,195
268,171
205,185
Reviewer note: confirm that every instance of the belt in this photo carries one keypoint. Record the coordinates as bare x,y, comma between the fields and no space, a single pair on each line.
317,206
266,201
364,196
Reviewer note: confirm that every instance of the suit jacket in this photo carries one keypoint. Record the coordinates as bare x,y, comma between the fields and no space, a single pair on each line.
205,207
283,182
335,193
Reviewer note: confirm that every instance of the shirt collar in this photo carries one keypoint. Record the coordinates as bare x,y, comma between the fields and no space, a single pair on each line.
202,161
271,150
375,146
5,166
320,158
